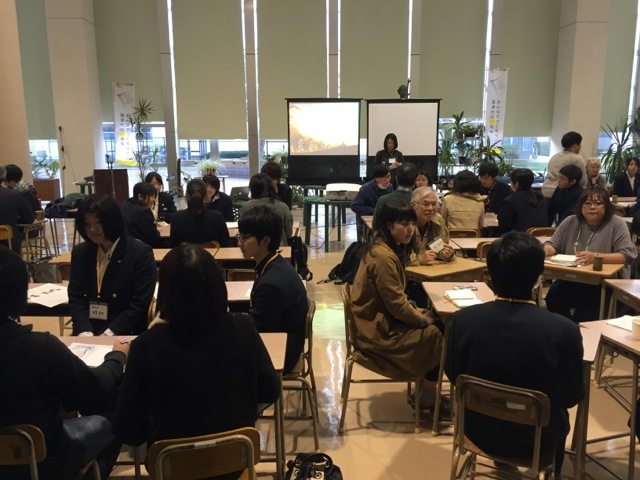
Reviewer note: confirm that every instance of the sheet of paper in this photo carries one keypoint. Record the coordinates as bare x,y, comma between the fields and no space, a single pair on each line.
460,294
50,295
92,355
622,322
437,245
466,302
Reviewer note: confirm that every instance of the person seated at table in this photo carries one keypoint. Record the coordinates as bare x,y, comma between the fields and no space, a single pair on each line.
45,378
406,179
570,154
494,189
283,191
364,203
263,193
137,216
13,180
112,277
430,227
13,210
594,179
423,180
200,370
198,224
514,342
524,208
217,200
463,207
593,231
165,205
627,183
564,200
278,296
398,338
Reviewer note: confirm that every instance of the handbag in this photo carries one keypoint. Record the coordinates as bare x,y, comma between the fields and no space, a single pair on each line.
312,466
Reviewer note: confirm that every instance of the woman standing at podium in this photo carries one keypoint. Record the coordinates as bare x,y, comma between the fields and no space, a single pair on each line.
390,155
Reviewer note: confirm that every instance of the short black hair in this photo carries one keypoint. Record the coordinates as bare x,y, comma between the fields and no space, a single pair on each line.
406,175
212,180
14,283
572,172
107,210
272,169
515,262
380,171
488,168
145,189
523,177
466,182
598,194
626,163
154,176
14,173
192,295
570,139
391,212
262,221
261,185
393,137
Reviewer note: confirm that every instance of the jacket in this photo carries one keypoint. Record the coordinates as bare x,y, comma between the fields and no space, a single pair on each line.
281,208
401,196
138,222
516,213
497,194
13,210
558,161
222,203
563,203
463,210
166,206
622,186
207,226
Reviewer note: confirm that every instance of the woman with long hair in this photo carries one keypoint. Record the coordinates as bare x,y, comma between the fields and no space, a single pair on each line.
525,207
464,206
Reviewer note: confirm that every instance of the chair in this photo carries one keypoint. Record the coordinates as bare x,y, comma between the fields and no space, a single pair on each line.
541,231
25,445
35,246
355,356
6,234
503,402
303,375
464,233
206,456
482,250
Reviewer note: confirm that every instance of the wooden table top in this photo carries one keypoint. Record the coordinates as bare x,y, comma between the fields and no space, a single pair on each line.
590,342
440,269
444,306
608,270
472,243
165,229
615,335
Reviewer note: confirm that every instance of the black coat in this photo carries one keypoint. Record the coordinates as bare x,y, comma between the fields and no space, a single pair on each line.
13,210
524,346
563,203
138,222
40,375
622,187
224,205
166,206
497,194
516,213
279,304
127,286
285,194
194,387
208,226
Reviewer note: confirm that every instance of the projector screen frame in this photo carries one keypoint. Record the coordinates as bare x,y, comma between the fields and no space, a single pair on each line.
426,161
319,170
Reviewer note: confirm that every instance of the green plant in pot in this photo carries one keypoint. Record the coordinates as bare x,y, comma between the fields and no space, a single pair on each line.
45,167
447,160
137,119
209,166
613,160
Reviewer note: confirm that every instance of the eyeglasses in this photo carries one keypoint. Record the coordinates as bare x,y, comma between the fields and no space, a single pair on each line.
593,204
427,204
243,237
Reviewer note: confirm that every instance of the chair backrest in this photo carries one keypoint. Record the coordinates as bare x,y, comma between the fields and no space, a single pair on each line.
22,445
482,250
306,357
504,402
205,456
464,233
6,233
349,326
152,310
541,231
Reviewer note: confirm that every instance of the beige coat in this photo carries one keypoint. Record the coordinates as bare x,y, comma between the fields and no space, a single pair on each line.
387,326
463,210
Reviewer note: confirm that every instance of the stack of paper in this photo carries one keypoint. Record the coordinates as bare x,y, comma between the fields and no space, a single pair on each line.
50,295
462,297
622,322
565,260
92,355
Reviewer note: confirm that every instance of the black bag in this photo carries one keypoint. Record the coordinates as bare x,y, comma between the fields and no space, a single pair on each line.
312,466
58,208
299,258
346,270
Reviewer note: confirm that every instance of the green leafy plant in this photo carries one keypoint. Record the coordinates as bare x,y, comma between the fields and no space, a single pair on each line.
447,160
613,160
44,167
137,119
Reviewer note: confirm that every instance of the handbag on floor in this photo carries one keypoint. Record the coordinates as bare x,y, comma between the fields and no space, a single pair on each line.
312,466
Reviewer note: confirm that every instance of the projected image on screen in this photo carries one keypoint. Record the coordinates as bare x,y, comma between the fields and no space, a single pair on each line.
323,128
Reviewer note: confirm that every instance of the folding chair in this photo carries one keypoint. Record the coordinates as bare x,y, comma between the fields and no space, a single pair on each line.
464,233
205,456
355,356
502,402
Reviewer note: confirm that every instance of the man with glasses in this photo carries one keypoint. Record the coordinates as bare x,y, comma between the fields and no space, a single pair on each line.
278,297
406,178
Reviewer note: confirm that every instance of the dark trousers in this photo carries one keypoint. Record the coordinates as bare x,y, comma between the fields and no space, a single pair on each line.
576,301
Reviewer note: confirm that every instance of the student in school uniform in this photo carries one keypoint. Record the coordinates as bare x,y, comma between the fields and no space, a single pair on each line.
263,193
217,200
14,209
137,215
165,207
524,208
564,200
198,224
283,191
113,276
628,182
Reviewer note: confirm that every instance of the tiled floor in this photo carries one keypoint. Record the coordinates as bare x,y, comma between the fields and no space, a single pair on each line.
379,441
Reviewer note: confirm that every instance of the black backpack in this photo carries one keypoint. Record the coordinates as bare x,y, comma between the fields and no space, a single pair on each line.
345,271
299,258
308,466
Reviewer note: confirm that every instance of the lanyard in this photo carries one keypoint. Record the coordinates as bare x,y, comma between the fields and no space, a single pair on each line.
100,271
577,243
515,300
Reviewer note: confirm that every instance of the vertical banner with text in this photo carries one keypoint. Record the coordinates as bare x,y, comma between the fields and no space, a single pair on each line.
124,96
496,103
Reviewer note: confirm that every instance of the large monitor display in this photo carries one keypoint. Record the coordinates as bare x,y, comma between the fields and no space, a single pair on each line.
324,144
415,123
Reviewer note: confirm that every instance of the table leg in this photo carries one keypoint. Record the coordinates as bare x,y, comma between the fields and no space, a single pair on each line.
306,220
340,210
327,213
279,434
603,297
435,428
579,440
632,437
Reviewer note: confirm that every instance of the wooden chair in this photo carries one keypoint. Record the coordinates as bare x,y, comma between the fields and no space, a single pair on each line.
25,445
303,376
541,231
355,356
35,246
482,250
205,456
6,234
464,233
506,403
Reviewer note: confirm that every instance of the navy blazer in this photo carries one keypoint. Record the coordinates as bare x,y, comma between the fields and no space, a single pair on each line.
516,213
138,222
13,210
207,226
127,287
166,206
224,205
622,186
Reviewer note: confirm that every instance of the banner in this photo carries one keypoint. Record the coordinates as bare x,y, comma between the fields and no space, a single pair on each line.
496,104
124,97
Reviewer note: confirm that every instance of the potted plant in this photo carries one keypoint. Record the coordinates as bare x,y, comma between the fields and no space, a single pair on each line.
45,177
137,119
209,167
613,160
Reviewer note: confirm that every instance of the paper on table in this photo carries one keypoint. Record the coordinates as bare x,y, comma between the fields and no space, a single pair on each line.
460,294
92,355
622,322
564,260
50,295
466,302
247,293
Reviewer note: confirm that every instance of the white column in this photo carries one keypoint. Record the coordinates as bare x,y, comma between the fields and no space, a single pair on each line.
74,80
251,80
582,45
14,138
333,57
415,55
